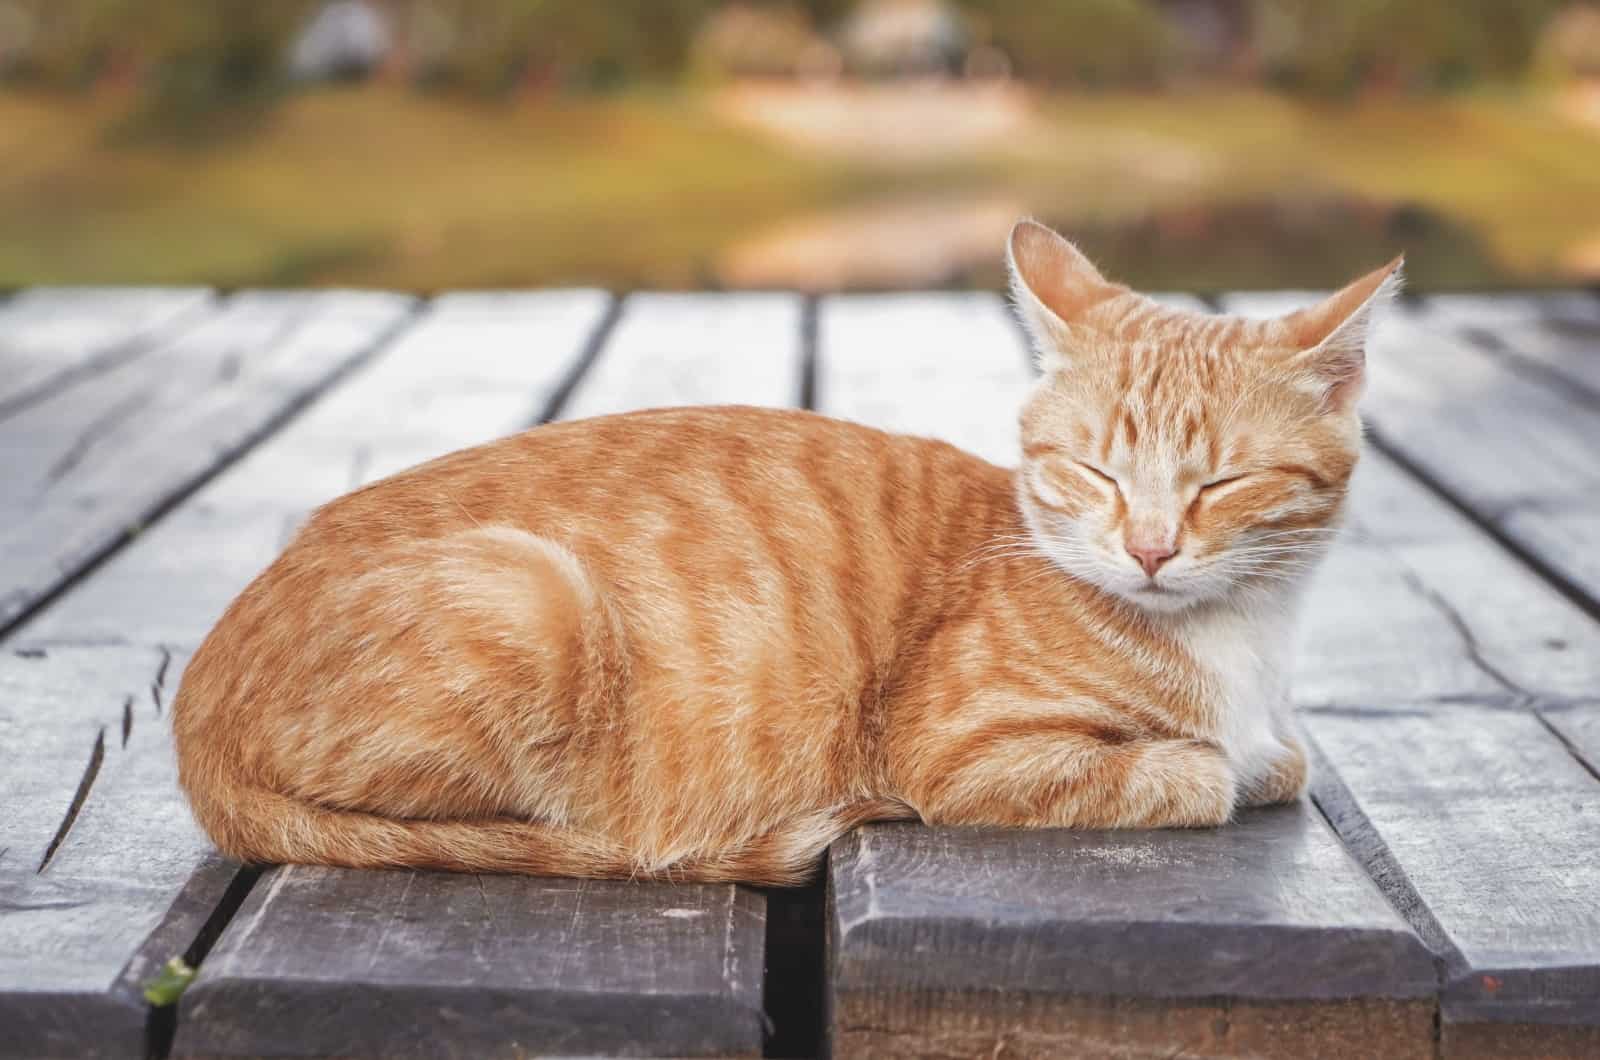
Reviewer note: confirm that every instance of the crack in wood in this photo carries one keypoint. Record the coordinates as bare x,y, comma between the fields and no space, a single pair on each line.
56,906
90,772
127,719
114,356
1555,578
160,683
17,607
94,431
40,647
1342,710
1469,639
232,359
1590,767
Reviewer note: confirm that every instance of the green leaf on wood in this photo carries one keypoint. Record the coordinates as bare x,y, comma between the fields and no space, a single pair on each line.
169,985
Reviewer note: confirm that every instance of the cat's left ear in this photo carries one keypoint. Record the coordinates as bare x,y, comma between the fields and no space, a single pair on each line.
1053,285
1332,335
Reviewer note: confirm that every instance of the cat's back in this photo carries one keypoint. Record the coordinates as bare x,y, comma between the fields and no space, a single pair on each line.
797,543
707,474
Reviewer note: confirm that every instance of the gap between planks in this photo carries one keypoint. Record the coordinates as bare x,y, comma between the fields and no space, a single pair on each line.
593,347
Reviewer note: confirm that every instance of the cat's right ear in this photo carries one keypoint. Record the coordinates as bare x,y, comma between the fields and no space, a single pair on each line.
1053,285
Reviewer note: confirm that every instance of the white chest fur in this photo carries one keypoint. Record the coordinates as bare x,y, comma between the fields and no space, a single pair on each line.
1247,654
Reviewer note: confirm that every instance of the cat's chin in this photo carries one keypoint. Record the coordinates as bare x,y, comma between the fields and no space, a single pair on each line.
1162,599
1187,592
1154,597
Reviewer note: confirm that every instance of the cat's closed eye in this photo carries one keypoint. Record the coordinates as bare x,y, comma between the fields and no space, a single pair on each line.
1104,476
1218,483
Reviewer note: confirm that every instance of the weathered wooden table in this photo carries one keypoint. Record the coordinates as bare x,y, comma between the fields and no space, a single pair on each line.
1440,896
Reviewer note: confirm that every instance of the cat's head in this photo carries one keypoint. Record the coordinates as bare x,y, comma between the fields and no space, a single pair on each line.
1173,457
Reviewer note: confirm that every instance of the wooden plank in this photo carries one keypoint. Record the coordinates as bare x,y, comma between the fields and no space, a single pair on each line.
321,962
696,349
951,366
1264,937
324,962
1270,910
51,337
131,881
1555,333
87,466
1517,451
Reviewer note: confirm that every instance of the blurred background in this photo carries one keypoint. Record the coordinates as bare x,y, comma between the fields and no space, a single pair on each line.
820,144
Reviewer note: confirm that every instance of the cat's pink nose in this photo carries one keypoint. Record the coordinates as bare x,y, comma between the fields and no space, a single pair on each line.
1151,557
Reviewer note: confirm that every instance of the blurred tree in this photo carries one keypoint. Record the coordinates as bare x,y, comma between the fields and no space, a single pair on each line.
1417,44
762,40
58,44
223,50
1076,41
190,59
487,46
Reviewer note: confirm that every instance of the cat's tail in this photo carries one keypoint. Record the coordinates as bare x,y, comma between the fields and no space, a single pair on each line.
262,826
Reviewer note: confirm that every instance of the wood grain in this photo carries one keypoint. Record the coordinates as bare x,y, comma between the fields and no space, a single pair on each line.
1269,908
957,1025
89,465
1480,815
696,349
470,368
1554,335
53,337
329,962
949,366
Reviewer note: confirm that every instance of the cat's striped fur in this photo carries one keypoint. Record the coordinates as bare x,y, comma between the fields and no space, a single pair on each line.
702,643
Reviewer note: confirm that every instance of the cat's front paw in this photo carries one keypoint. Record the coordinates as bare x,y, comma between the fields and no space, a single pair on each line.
1284,781
1196,785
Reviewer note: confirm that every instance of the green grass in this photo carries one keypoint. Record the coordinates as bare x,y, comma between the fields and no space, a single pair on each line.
378,186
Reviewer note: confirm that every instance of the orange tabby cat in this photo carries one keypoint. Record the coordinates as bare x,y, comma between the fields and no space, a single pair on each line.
702,643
